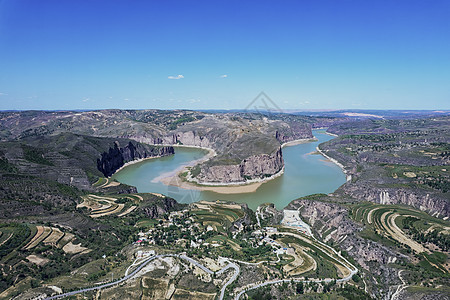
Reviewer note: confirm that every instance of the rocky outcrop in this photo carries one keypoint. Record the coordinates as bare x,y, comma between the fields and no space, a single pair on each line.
254,167
331,223
159,208
190,138
116,157
263,165
295,131
432,203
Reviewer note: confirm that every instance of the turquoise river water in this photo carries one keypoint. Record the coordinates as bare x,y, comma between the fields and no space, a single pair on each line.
304,174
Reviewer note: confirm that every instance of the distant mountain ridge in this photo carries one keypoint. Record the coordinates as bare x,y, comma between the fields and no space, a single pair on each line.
235,136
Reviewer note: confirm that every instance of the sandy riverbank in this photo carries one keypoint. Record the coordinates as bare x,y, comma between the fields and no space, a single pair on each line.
249,186
348,177
210,154
300,141
222,189
133,162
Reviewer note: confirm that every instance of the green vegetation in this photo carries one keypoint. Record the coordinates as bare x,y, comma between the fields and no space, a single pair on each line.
195,171
180,121
35,155
6,167
14,236
414,225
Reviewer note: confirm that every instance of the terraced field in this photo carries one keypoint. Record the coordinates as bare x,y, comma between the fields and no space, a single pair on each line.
100,206
403,226
101,182
53,236
302,262
13,236
218,214
305,245
42,233
5,237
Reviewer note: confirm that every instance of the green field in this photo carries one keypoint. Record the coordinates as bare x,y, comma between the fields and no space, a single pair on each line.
408,229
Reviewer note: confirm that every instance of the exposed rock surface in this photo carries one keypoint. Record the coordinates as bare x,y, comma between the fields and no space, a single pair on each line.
378,154
331,223
295,131
431,202
156,209
244,140
255,166
117,156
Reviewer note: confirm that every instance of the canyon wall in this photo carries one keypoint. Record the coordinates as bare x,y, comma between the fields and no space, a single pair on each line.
295,131
431,202
117,156
254,167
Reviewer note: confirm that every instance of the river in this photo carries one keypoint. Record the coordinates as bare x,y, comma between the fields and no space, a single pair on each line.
305,174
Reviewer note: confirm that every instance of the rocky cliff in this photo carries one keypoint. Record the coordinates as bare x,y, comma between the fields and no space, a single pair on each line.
331,223
395,162
117,156
434,203
295,131
254,167
241,140
155,209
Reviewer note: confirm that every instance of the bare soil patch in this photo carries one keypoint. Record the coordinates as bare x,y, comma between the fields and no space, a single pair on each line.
74,249
54,237
130,209
397,234
40,261
46,231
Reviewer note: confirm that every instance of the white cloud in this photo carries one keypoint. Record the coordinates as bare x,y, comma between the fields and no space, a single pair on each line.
194,100
179,76
304,102
126,99
3,94
224,76
85,100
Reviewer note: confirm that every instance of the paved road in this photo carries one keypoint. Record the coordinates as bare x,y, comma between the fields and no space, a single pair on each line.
292,280
233,278
196,263
143,264
353,270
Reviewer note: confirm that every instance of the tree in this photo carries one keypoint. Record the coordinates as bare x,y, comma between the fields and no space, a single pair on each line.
300,288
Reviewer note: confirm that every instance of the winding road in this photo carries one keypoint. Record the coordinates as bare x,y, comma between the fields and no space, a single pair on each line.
144,263
352,269
290,280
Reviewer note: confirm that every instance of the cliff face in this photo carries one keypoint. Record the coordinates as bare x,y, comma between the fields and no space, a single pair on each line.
330,222
190,138
116,157
158,208
255,166
262,165
295,131
433,203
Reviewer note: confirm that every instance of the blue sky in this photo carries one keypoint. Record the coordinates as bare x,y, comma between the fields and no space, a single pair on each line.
221,54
